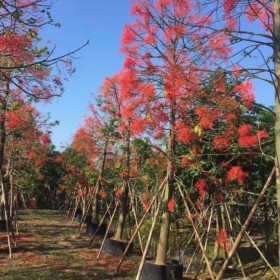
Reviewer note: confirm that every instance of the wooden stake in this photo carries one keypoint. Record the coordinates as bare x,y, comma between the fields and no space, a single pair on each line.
6,214
256,247
75,209
231,240
196,233
207,235
103,242
85,214
244,227
193,234
149,240
135,217
101,221
140,223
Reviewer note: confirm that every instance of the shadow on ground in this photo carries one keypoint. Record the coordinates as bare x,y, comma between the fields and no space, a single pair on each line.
50,247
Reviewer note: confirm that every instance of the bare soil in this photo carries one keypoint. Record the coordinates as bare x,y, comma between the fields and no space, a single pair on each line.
49,247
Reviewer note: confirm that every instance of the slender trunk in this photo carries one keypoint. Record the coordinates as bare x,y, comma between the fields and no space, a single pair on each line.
124,198
2,207
277,108
166,217
218,226
2,181
95,202
24,205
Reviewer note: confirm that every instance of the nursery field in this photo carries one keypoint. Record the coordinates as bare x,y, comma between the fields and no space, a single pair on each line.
49,246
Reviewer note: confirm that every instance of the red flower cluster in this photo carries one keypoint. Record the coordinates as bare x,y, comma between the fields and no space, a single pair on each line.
221,143
201,186
222,239
171,205
186,161
119,192
103,194
219,196
245,130
146,201
247,140
185,134
237,174
229,6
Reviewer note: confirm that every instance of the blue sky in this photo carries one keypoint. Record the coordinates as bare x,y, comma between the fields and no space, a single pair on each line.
101,22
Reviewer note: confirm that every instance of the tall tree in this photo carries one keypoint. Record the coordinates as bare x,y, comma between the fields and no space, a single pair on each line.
124,97
25,66
253,30
172,45
94,139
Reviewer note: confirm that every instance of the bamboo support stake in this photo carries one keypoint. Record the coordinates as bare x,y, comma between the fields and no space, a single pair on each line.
12,211
179,181
196,234
110,216
67,205
178,247
256,247
6,216
244,227
193,234
231,240
191,260
207,235
101,221
75,209
85,214
103,242
140,223
135,218
205,245
16,213
149,240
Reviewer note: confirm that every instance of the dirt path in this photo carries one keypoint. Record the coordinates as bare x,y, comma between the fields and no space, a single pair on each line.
50,248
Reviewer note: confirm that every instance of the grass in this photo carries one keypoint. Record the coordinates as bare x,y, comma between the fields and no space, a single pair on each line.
49,247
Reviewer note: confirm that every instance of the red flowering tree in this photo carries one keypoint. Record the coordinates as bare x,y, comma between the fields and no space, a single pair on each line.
26,151
171,44
25,68
253,28
94,140
124,97
76,183
161,47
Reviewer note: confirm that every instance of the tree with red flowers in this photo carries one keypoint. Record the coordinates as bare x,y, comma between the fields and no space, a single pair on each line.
25,67
27,144
94,139
126,99
171,44
252,29
162,49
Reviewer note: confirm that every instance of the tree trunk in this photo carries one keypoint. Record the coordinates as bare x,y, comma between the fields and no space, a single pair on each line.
277,108
164,230
124,198
95,203
122,214
165,219
2,207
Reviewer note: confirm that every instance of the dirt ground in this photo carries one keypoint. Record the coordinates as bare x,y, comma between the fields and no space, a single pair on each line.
50,247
